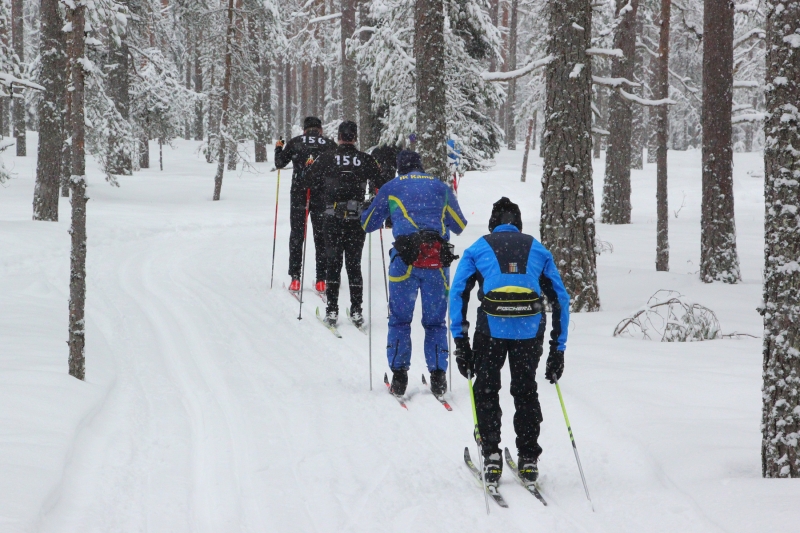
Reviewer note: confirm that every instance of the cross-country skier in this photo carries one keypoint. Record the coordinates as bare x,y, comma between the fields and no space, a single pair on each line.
423,212
512,270
301,151
342,177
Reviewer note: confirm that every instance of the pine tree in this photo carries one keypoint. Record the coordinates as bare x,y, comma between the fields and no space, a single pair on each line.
567,219
661,91
780,426
719,260
616,208
52,51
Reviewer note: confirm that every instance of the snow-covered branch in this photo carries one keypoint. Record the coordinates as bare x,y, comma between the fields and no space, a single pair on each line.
748,117
7,80
645,101
614,82
755,32
745,84
514,74
325,17
613,52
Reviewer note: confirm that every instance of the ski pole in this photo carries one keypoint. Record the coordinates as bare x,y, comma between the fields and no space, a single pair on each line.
275,229
574,448
369,304
478,439
303,263
385,281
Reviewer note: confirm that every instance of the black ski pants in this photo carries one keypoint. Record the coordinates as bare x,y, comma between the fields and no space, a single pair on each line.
523,357
344,240
297,218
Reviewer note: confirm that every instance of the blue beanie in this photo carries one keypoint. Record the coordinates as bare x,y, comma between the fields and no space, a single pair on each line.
408,161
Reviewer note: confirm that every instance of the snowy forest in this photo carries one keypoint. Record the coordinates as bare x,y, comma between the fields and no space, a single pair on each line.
602,119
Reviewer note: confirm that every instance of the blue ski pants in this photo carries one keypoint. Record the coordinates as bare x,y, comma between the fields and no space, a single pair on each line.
433,285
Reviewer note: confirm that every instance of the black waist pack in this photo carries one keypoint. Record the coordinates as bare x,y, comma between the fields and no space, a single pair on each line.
511,302
349,210
411,247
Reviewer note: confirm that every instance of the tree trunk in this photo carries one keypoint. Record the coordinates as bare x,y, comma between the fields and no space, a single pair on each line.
638,117
368,124
511,100
780,423
144,151
750,129
349,74
528,137
77,284
719,260
494,15
51,112
305,90
119,160
18,43
616,208
287,92
533,136
662,134
263,110
567,219
280,87
429,53
198,88
226,98
66,147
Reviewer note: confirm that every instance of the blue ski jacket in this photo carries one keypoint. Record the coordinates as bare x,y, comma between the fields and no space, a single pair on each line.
512,270
415,201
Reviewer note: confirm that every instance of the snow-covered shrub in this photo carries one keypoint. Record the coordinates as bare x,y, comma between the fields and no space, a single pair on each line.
669,317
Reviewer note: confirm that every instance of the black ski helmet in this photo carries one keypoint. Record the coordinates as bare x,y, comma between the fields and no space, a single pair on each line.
348,131
504,211
312,122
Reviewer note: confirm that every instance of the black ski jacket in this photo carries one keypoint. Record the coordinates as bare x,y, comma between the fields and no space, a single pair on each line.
343,175
301,151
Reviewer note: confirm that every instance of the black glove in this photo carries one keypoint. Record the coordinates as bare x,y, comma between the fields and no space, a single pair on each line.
388,223
465,359
555,366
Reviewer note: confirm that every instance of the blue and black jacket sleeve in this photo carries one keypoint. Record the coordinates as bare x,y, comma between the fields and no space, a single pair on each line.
463,283
553,288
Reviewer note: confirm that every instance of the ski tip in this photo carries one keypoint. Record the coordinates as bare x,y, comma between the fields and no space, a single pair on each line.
385,378
423,380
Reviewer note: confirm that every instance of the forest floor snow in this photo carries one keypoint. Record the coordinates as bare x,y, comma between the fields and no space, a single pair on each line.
208,407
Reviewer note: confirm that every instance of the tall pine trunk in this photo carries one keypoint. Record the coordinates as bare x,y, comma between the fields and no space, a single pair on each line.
719,260
52,51
511,100
226,99
199,112
349,75
567,219
429,54
77,284
662,134
18,44
119,159
780,423
528,137
616,208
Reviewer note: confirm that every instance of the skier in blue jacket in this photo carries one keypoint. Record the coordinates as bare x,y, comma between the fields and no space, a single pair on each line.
423,211
513,270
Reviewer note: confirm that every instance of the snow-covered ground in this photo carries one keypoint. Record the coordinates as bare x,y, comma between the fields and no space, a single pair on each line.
209,407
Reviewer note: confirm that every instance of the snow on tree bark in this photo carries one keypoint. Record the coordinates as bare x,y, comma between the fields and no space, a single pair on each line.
52,50
616,207
77,283
719,260
429,53
226,98
567,218
780,427
198,88
119,159
348,65
18,43
661,91
511,62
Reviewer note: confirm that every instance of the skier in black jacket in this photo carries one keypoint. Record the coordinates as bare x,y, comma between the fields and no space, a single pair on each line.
301,151
342,178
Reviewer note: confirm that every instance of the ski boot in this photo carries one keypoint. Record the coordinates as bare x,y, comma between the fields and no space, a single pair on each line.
492,468
331,317
528,469
356,317
320,287
438,382
294,286
399,381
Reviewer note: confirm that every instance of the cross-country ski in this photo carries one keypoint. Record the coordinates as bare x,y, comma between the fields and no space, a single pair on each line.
530,486
491,488
439,397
